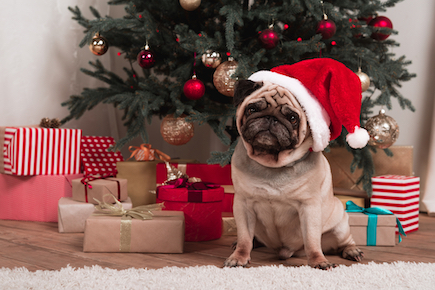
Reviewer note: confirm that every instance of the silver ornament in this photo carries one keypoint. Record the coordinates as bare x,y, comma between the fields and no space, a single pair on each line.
383,130
211,59
365,80
222,79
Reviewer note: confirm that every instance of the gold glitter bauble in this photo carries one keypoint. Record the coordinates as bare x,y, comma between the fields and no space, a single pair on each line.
98,45
190,5
222,79
383,130
176,131
211,59
365,80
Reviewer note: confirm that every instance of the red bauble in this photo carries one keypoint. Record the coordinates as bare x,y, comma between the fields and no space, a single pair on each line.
194,89
268,38
381,22
327,28
146,59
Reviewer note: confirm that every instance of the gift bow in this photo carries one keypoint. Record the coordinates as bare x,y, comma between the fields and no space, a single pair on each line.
143,212
148,153
372,222
193,183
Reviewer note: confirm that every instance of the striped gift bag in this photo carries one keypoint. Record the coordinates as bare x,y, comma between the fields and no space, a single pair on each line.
399,194
31,151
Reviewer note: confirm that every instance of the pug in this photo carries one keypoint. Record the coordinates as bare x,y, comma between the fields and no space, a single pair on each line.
283,188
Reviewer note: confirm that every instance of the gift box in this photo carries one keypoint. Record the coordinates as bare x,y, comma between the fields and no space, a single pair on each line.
213,173
33,198
201,204
88,189
164,233
399,194
72,214
31,151
96,157
141,179
384,234
229,227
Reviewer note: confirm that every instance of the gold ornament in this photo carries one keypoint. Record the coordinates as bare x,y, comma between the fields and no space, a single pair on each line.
190,5
98,45
383,130
176,131
365,80
211,59
222,79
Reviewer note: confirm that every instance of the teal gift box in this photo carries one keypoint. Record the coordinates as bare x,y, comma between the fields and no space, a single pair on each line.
385,229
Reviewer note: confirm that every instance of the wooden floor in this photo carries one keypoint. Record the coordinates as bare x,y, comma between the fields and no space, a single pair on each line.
39,246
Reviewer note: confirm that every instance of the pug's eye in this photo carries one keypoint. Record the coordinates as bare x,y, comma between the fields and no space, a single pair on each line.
294,119
252,108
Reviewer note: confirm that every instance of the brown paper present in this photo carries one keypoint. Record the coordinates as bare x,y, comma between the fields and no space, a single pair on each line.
141,178
164,233
98,188
340,159
72,214
229,227
385,230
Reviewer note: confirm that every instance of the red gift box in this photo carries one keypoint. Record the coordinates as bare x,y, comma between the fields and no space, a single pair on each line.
202,207
31,151
96,159
213,173
400,195
33,198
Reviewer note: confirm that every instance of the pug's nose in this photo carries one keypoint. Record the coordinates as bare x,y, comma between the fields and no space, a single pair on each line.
272,120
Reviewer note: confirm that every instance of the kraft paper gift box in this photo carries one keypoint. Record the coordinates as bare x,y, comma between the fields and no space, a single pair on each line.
385,229
72,214
29,151
229,227
98,188
213,173
141,179
33,198
164,233
400,194
202,207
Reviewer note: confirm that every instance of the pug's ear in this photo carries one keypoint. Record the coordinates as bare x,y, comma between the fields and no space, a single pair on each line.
244,88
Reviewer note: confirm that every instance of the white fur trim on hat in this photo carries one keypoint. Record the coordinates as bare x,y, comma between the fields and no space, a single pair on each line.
318,118
358,139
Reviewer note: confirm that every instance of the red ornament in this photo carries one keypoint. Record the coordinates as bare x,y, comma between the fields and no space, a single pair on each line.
145,58
194,89
381,22
327,28
268,38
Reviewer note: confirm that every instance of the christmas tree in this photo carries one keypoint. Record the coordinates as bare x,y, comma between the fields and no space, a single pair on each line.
183,58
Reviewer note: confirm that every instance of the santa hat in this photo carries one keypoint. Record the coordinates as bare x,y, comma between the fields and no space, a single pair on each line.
330,95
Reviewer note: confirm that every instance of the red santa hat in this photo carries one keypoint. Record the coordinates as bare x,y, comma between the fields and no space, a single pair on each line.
330,95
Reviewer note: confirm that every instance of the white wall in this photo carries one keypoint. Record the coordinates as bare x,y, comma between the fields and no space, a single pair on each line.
40,62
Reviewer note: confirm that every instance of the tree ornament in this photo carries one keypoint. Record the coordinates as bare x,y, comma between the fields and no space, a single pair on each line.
380,22
326,27
364,78
269,38
176,131
383,130
146,58
190,5
222,79
211,59
98,45
194,89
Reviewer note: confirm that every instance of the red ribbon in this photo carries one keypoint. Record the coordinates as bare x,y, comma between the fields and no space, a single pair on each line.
194,188
88,178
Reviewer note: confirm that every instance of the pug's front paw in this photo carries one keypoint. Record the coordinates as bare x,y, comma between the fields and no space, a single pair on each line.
237,260
353,253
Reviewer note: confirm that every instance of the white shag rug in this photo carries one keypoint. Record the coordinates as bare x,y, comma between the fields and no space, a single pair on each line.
398,275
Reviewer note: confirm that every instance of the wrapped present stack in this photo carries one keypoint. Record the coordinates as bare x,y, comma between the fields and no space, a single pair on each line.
399,194
37,166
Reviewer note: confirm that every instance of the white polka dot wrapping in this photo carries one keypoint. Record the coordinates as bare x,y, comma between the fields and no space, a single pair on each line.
94,148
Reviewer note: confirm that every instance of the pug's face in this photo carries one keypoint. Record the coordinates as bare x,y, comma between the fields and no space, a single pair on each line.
270,120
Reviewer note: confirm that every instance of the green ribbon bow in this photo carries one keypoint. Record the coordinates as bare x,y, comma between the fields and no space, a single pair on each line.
372,223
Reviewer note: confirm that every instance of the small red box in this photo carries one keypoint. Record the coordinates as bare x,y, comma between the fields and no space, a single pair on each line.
213,173
33,198
202,210
399,194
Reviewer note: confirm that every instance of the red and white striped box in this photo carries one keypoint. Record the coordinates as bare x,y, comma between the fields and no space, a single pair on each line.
399,194
96,158
29,151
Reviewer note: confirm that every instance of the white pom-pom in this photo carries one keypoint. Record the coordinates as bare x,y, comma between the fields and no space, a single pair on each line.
358,139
